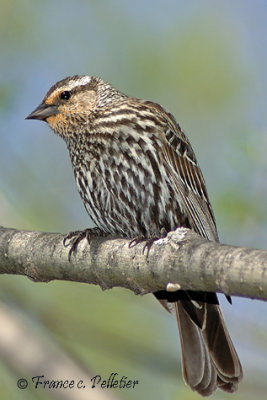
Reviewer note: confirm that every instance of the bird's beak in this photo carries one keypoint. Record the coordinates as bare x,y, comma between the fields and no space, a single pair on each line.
43,111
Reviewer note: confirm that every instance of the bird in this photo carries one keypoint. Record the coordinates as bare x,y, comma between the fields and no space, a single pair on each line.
138,178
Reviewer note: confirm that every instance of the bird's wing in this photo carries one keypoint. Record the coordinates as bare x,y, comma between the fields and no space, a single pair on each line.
181,164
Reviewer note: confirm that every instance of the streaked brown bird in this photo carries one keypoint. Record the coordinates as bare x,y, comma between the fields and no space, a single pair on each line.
138,176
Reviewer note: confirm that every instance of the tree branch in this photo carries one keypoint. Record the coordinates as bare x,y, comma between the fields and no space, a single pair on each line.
183,257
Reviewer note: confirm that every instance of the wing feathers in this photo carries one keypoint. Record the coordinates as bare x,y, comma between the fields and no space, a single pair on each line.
190,184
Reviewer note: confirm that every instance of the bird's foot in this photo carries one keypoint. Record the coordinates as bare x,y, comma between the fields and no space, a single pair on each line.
148,243
148,240
73,239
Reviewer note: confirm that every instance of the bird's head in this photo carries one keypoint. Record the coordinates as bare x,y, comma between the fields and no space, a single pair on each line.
69,105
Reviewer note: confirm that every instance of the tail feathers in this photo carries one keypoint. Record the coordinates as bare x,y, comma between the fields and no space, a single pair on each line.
209,358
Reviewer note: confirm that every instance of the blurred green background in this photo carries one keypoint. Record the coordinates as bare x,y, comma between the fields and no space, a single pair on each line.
206,62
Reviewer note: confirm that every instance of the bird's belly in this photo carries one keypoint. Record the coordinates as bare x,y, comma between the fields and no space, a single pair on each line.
128,207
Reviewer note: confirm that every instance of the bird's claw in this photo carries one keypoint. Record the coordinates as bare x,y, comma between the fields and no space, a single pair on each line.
73,239
148,243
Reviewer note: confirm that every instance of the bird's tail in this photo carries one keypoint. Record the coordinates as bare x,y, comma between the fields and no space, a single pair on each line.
209,358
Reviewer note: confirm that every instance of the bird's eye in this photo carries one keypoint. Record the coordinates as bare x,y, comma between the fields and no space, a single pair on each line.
65,95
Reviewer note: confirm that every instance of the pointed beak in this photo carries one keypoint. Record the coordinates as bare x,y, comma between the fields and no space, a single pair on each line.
43,111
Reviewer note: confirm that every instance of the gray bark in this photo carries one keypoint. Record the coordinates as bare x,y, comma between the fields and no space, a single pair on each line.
182,258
